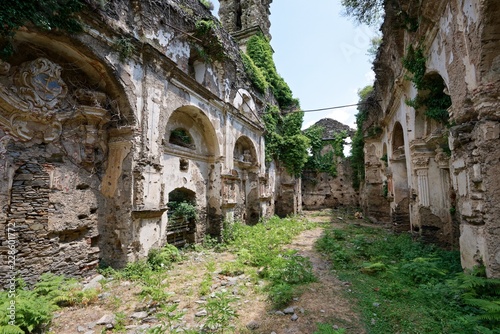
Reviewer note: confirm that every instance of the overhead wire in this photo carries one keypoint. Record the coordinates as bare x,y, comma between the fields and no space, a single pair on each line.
330,108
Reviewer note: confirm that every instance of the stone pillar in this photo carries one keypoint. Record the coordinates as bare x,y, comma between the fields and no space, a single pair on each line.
423,186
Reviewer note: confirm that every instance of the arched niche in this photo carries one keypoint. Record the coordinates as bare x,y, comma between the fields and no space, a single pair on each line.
398,139
193,123
61,103
82,69
244,151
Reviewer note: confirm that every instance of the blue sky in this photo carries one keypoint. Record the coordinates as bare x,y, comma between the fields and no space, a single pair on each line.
321,55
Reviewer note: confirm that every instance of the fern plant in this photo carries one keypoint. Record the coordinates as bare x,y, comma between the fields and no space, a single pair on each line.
483,294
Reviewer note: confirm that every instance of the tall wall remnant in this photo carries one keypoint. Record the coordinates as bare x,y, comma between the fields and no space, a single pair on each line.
101,130
322,189
442,168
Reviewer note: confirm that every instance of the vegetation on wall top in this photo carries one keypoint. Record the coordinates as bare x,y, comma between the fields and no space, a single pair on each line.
44,14
206,31
261,53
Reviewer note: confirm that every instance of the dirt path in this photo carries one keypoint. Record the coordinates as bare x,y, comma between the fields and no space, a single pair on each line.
320,302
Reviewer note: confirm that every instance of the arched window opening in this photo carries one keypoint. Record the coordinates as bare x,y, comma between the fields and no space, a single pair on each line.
398,140
182,215
433,98
181,137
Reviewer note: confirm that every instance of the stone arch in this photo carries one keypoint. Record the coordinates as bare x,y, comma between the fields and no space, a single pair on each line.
197,125
246,161
67,109
81,66
435,102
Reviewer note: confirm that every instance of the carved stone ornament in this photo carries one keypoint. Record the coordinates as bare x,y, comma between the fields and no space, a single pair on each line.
421,162
33,106
39,86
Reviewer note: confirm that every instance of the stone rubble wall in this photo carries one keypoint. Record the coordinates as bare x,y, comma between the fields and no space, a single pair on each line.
87,167
452,198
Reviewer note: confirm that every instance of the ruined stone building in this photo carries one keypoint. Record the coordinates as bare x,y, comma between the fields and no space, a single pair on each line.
438,176
321,190
100,130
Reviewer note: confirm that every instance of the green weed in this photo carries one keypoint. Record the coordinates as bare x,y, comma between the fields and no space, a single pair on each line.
405,286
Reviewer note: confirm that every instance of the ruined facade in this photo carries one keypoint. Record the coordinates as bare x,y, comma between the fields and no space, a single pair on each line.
439,179
101,130
322,190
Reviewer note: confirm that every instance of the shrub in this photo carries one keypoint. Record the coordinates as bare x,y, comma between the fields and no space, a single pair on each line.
163,257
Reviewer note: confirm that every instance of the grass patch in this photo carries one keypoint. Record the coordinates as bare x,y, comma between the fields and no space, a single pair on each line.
403,286
262,246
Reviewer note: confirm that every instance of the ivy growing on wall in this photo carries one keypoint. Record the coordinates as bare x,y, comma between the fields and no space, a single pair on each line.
255,74
261,53
284,139
44,14
327,162
358,144
431,87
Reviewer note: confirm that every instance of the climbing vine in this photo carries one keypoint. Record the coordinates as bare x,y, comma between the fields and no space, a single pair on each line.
431,88
261,53
255,74
284,139
44,14
327,162
358,144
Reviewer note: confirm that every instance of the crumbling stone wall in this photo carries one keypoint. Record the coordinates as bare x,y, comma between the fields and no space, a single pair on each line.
87,164
444,190
321,190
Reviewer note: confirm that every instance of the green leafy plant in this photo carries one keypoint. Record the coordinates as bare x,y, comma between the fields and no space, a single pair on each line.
220,313
357,157
124,47
431,88
327,162
292,268
328,329
168,316
260,51
159,258
208,4
280,294
206,31
410,287
181,137
47,15
184,210
34,308
120,320
254,73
